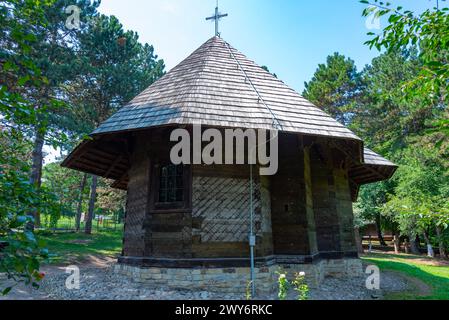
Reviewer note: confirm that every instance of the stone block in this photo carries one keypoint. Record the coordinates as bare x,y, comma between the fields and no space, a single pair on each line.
235,280
229,270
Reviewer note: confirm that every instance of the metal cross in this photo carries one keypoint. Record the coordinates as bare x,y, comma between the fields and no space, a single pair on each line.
217,17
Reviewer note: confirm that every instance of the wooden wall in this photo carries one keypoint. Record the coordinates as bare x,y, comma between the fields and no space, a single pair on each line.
137,201
221,212
304,209
311,224
291,215
149,233
332,204
264,244
344,210
216,226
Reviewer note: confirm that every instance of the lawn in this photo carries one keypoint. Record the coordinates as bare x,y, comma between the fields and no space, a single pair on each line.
71,247
432,273
68,223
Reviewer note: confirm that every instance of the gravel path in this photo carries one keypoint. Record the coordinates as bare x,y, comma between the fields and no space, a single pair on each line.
101,283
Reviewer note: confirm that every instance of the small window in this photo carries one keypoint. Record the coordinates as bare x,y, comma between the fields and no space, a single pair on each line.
171,184
170,188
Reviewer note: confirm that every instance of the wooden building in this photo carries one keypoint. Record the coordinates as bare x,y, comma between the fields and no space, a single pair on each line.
187,225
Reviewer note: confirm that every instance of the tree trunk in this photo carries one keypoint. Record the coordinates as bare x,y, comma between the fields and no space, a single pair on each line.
413,246
379,231
406,246
358,240
396,243
90,211
430,252
441,247
80,203
36,170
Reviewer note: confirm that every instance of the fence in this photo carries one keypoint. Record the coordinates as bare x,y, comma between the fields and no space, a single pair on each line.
68,224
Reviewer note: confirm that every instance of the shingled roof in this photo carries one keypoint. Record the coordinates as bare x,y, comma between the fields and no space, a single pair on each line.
214,86
219,86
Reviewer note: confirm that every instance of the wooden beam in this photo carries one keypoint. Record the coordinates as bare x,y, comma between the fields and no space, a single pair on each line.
116,161
103,154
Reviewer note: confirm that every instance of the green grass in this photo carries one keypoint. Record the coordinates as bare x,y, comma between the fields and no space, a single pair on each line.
66,222
63,222
436,277
75,247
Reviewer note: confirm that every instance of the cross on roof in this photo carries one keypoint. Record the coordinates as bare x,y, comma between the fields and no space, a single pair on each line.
217,16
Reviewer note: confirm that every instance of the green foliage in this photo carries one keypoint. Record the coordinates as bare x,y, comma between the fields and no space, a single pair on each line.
268,70
48,74
110,201
248,290
40,57
335,87
23,253
114,67
283,284
383,117
404,116
17,21
64,184
371,200
420,199
429,31
300,286
21,256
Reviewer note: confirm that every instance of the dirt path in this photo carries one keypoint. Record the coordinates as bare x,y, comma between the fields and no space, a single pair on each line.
23,292
419,259
419,288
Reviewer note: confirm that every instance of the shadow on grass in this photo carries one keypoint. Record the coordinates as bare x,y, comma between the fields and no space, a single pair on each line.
70,247
405,256
436,277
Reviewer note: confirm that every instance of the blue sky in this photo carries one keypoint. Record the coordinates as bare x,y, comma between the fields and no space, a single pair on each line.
291,37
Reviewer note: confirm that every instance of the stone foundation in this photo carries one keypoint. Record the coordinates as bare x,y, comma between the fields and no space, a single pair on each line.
235,280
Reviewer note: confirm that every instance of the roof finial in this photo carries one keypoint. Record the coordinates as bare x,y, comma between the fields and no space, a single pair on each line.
217,16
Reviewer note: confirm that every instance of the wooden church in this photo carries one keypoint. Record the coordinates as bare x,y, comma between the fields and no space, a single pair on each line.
187,226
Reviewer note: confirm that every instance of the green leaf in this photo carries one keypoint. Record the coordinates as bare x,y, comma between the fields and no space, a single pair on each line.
6,291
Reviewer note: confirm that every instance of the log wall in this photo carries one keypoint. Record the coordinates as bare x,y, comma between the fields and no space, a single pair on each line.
134,237
331,198
304,210
292,221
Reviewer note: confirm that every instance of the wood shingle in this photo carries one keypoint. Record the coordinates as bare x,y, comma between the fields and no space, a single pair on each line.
209,88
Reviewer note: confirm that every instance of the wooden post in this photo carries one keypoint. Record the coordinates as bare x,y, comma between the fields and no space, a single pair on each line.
396,243
358,240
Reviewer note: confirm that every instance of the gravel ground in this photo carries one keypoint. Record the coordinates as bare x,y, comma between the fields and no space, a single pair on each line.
103,284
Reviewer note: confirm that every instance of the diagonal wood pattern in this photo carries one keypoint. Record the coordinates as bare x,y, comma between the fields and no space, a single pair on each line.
223,206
